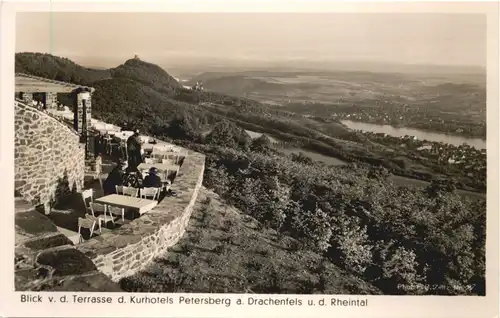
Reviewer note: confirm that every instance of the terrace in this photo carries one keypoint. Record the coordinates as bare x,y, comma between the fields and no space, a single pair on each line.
79,222
120,232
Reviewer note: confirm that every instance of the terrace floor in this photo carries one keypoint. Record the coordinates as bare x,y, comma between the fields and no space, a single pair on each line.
65,214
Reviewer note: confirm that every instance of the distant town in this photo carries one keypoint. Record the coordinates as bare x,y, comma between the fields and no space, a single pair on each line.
469,160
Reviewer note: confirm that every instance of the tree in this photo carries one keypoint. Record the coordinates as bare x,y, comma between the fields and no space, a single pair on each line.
227,134
399,270
357,219
350,242
261,144
302,158
438,187
183,127
310,226
217,179
379,173
248,198
275,201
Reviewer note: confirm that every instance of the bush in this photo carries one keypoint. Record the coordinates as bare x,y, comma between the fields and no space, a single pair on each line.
351,242
355,216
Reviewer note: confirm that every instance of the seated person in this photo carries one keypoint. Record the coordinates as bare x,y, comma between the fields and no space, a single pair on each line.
132,178
152,180
115,178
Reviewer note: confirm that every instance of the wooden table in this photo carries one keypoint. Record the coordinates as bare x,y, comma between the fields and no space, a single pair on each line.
147,146
158,153
159,146
127,202
175,156
145,139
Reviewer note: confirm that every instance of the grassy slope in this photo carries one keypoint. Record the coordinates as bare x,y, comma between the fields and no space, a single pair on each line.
224,251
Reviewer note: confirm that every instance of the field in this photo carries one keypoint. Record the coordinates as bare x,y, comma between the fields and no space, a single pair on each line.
454,101
334,84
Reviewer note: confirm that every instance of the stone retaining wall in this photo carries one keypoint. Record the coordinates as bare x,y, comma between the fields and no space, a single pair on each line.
49,159
130,248
46,260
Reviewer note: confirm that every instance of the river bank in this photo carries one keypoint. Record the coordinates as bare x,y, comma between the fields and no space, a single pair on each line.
420,134
329,160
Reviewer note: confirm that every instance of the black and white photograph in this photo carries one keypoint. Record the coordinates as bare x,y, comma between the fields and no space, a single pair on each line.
335,153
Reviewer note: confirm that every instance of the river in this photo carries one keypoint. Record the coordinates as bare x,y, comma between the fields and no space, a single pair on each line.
420,134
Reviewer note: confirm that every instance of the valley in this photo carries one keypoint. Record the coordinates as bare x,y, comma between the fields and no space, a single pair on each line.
449,103
352,216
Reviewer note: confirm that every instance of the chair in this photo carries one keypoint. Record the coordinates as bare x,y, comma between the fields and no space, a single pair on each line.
97,207
167,185
174,172
96,173
99,177
112,210
93,207
157,156
119,190
166,175
123,149
130,191
150,193
87,223
149,161
109,144
167,161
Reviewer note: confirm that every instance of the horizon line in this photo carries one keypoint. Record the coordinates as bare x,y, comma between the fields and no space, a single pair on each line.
260,60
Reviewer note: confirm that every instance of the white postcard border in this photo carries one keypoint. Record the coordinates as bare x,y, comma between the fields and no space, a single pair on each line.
378,306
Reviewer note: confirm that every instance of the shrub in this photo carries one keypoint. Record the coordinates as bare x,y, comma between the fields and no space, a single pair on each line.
350,240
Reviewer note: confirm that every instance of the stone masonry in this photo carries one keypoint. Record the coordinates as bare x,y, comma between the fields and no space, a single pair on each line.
130,248
46,260
83,131
50,100
27,97
49,159
49,163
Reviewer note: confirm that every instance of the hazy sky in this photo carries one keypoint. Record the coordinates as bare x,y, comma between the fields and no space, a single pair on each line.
447,39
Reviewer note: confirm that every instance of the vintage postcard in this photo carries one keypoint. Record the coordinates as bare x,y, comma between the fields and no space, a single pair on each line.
238,158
